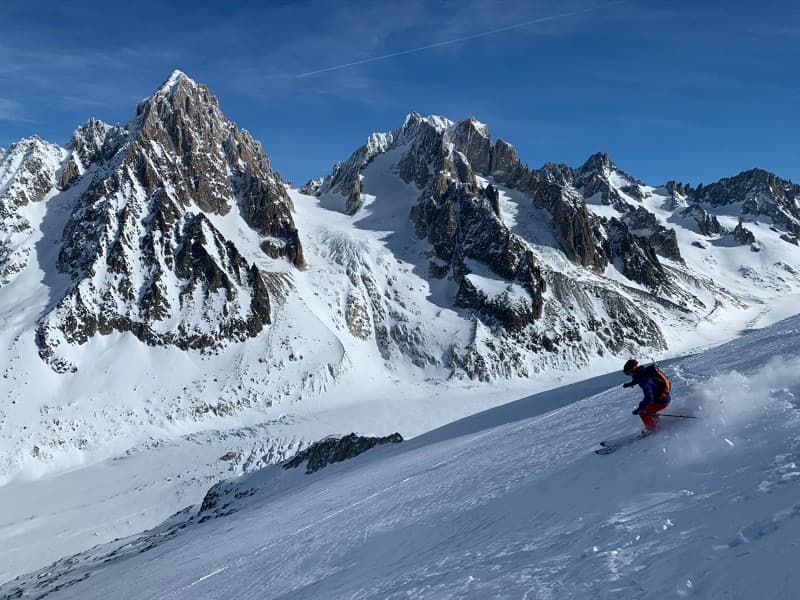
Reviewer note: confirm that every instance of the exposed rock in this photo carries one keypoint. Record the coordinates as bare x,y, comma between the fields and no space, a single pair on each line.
345,179
332,450
499,279
95,142
312,186
645,224
577,229
28,172
357,316
679,189
743,235
707,223
494,198
505,164
69,174
634,256
471,138
593,178
760,193
512,308
141,247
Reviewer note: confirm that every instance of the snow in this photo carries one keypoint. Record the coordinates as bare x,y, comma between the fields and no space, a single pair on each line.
497,287
172,81
764,283
138,432
512,502
482,128
438,122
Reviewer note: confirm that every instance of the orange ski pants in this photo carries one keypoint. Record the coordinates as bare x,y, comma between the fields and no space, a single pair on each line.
648,415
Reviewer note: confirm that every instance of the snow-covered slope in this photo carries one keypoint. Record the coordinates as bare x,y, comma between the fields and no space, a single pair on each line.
511,502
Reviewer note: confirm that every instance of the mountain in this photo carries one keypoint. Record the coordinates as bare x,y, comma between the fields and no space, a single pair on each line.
28,172
558,265
140,247
507,503
135,262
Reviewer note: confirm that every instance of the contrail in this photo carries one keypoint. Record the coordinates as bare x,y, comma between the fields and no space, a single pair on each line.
461,39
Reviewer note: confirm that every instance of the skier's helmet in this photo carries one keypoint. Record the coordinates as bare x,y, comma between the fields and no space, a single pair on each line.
630,366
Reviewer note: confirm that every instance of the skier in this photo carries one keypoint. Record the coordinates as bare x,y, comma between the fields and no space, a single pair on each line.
655,385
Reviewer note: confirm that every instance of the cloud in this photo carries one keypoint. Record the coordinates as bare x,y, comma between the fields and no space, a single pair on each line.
10,110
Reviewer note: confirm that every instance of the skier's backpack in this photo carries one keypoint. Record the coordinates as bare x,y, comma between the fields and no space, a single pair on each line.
661,379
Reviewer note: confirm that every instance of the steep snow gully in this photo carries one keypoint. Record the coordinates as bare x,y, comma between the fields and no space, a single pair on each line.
509,503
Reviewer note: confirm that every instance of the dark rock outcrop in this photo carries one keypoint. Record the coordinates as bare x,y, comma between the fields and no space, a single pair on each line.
760,193
743,235
634,256
332,450
664,241
707,223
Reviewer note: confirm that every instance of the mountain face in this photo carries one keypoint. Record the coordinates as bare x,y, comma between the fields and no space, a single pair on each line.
500,231
142,245
527,256
28,172
756,193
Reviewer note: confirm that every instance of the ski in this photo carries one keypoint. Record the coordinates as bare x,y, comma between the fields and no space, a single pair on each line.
609,446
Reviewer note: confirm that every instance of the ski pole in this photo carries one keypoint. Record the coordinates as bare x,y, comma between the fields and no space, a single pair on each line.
675,416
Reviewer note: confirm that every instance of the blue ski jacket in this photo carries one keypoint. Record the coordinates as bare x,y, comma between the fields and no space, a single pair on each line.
652,387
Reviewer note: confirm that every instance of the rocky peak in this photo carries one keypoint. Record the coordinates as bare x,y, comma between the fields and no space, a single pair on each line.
143,252
471,137
760,193
87,140
425,147
746,186
505,165
209,162
28,172
558,174
176,79
598,163
598,175
415,125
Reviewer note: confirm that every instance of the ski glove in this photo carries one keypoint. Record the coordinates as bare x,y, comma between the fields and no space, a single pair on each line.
636,411
629,384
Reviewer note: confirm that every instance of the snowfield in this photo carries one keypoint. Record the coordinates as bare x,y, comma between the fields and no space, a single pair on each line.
510,503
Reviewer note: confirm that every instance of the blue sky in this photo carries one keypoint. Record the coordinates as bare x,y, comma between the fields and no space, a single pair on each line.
686,90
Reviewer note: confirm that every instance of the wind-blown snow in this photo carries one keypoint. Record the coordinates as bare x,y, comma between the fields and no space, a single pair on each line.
512,502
